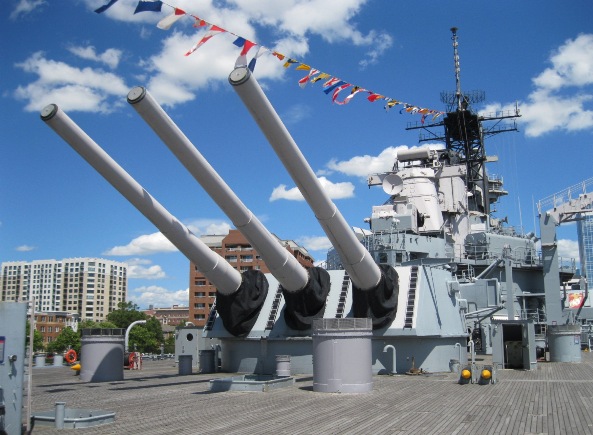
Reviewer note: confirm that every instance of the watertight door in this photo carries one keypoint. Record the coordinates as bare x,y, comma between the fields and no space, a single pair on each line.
528,346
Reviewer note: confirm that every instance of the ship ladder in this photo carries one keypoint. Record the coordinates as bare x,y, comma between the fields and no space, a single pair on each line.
411,297
211,318
274,310
343,294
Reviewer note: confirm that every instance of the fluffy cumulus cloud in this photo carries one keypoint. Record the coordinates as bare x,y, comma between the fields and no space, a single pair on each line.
146,244
140,268
109,57
172,76
158,297
362,166
314,243
334,190
563,92
156,243
71,88
568,249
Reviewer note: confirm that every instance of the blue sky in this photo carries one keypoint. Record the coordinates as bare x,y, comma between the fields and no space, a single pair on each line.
54,205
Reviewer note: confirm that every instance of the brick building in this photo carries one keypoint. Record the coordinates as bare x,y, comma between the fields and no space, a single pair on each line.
50,324
235,249
172,316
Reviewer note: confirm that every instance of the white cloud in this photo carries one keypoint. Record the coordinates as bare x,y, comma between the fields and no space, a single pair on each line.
155,243
23,7
362,166
109,57
568,249
329,19
546,112
562,91
173,78
140,268
144,245
572,65
208,226
314,243
71,88
382,43
334,190
25,248
158,297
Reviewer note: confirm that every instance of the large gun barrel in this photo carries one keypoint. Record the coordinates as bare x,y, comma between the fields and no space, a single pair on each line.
357,261
226,279
281,263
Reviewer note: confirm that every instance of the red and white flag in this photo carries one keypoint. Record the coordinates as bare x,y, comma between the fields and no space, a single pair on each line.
212,31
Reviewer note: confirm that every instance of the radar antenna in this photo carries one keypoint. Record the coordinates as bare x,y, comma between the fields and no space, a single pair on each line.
464,135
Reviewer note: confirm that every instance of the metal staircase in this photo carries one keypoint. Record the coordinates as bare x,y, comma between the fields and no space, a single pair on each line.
275,308
211,318
411,297
343,294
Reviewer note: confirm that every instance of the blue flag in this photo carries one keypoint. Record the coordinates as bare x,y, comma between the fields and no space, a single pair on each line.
105,7
239,42
148,6
334,86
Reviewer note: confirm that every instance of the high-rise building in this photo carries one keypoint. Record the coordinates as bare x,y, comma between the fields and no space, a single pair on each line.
585,235
235,249
89,287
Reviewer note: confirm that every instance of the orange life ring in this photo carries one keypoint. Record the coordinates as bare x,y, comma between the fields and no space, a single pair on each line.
70,356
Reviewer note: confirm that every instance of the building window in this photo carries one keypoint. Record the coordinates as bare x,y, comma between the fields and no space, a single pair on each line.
199,294
200,282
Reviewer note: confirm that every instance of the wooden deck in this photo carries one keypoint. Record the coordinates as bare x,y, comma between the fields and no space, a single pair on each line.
557,398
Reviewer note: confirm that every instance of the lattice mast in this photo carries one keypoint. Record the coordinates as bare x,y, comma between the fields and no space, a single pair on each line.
464,135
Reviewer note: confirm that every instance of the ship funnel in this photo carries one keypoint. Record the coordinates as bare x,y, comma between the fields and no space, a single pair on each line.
278,259
357,261
226,279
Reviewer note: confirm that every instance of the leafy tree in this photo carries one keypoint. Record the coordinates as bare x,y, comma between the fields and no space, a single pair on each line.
66,339
170,344
146,337
90,324
126,313
37,338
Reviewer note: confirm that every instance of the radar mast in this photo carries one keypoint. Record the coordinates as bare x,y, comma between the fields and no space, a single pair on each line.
464,134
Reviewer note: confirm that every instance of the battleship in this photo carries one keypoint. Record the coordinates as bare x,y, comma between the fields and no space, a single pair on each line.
435,273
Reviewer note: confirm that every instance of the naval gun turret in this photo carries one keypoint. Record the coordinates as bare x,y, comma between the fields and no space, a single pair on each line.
375,287
305,291
247,290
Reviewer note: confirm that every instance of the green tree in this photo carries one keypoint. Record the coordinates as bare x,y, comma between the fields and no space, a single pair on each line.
66,339
90,324
126,313
170,344
146,337
37,338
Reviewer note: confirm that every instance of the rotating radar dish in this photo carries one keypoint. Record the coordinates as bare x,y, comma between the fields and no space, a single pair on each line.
393,184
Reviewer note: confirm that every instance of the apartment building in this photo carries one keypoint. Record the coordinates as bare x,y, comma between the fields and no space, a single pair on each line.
235,248
89,287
